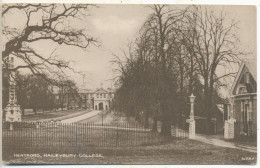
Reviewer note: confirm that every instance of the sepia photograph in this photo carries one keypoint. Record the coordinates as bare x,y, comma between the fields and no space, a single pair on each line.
121,84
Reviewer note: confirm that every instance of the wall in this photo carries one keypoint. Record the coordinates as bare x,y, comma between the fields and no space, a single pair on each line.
238,113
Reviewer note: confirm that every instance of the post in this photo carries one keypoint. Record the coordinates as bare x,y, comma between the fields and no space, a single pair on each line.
102,116
192,125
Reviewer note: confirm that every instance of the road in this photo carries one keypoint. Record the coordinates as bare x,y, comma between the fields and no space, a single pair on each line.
81,117
97,119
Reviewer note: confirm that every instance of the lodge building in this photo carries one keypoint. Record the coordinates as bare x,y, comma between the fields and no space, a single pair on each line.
243,96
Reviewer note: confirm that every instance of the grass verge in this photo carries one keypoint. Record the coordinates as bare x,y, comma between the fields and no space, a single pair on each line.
177,151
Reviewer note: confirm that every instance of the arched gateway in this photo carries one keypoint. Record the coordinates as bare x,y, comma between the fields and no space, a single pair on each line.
100,106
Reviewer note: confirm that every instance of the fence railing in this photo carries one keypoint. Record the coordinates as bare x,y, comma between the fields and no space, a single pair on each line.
81,135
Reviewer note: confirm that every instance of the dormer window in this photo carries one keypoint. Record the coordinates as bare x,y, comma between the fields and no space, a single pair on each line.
242,90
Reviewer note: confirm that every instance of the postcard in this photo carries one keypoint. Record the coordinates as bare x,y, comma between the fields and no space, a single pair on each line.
121,84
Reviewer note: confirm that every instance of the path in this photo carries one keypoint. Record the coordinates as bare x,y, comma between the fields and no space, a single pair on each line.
67,115
97,119
81,117
218,142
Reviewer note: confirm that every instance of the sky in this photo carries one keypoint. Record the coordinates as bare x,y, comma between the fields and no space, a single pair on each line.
115,26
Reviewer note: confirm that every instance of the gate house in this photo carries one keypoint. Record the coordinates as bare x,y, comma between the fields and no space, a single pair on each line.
243,96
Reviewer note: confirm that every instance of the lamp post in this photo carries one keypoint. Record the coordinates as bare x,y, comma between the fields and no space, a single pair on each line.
192,126
192,99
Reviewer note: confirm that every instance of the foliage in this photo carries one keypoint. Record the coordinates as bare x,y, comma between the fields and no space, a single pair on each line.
39,23
34,91
177,52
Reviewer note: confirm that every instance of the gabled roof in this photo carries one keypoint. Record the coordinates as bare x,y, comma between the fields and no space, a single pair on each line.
251,66
101,90
98,90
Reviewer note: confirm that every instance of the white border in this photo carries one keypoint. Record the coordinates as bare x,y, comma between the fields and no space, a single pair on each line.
209,2
220,2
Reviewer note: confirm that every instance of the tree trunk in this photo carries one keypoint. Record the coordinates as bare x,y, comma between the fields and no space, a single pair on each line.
166,126
4,114
154,129
179,122
206,107
191,75
68,102
210,102
146,122
22,111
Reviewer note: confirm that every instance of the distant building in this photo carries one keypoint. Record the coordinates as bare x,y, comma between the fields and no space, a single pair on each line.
98,99
243,95
103,99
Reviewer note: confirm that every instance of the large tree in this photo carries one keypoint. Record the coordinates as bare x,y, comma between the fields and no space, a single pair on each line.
51,23
39,94
149,69
212,41
163,25
67,91
178,52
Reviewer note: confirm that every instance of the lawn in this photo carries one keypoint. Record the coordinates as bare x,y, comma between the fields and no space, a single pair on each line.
52,115
116,143
49,135
177,151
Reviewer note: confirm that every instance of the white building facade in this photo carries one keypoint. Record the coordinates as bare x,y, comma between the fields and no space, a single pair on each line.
98,99
102,99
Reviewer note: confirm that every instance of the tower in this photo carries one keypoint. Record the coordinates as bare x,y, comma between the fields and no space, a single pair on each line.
13,112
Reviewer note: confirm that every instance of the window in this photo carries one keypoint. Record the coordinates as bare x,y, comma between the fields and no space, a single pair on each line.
242,90
97,95
100,95
104,95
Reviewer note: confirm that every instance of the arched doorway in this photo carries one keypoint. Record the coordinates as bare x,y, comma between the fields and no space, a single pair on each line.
100,106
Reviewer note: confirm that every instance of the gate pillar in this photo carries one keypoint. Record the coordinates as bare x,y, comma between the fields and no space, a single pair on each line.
229,129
